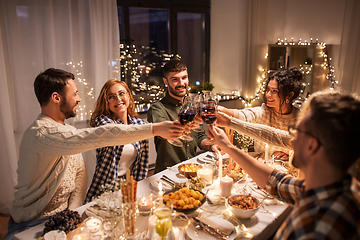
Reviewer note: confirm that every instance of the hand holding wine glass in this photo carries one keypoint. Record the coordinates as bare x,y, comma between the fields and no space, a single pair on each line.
186,115
209,106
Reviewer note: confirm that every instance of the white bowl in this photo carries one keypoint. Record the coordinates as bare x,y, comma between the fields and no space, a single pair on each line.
242,213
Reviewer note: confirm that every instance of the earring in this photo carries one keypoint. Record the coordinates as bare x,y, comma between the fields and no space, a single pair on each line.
287,100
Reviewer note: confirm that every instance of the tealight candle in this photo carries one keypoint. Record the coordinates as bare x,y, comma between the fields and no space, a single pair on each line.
82,234
145,204
93,224
226,184
206,173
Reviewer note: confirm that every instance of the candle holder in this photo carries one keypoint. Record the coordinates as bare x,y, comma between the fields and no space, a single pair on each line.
93,224
81,234
145,204
206,172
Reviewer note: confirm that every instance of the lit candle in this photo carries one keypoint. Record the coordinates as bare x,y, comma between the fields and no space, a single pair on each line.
266,152
220,166
226,184
161,193
82,234
206,173
93,224
145,204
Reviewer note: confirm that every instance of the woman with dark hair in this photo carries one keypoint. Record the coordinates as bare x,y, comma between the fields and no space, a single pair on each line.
277,111
115,104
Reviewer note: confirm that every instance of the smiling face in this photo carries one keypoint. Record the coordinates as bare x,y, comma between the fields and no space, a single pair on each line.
118,100
177,83
273,99
69,100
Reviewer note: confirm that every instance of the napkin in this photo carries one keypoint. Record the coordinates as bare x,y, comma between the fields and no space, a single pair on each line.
223,229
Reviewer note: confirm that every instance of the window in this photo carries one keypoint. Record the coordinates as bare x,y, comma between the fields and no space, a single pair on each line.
152,31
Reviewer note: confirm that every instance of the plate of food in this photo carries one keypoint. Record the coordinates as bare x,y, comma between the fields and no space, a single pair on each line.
189,170
235,172
185,200
207,159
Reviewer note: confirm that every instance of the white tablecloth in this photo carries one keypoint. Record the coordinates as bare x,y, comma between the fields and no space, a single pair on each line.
261,226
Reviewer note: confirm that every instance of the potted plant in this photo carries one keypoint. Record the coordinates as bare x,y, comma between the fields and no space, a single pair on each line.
207,87
193,89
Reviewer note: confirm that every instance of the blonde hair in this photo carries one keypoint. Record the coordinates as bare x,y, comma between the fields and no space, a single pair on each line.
102,105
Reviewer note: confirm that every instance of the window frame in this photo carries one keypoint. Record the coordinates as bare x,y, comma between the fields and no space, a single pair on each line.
174,7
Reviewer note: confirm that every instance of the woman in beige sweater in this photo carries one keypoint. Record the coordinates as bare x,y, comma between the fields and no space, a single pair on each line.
277,112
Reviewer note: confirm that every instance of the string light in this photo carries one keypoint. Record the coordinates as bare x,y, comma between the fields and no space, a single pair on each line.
324,53
86,91
130,65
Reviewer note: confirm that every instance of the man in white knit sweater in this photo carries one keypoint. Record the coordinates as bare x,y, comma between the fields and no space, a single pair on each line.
51,170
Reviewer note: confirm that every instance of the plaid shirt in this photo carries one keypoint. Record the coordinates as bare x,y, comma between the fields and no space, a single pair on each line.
108,160
263,115
329,212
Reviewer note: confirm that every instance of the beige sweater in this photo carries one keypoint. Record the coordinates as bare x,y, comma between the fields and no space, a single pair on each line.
276,136
51,171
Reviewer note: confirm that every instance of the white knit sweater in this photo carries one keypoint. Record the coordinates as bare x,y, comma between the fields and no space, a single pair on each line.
51,170
276,136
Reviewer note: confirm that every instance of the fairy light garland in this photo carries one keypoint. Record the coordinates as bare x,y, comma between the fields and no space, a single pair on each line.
324,53
82,111
130,65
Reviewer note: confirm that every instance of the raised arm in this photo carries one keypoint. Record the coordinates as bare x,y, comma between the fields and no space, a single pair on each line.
257,131
258,171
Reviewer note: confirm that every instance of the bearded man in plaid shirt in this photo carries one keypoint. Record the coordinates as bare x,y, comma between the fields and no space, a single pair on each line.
326,143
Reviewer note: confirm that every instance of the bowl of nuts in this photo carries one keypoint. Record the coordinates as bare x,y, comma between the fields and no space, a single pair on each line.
185,200
243,206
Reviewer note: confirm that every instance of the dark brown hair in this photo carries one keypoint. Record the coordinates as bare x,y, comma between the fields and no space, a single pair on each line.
334,120
289,80
174,65
49,81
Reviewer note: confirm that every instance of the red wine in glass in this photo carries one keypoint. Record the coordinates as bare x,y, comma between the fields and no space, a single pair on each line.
187,116
208,114
209,118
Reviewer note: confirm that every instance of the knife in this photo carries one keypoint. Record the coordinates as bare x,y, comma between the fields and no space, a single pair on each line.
215,232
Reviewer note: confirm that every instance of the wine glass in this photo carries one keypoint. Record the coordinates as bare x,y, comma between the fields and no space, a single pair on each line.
197,101
208,113
186,115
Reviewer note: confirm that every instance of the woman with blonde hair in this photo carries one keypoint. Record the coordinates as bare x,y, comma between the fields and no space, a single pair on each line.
115,104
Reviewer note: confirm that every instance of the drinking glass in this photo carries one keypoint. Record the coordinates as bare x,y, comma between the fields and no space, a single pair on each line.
163,223
197,101
186,115
209,106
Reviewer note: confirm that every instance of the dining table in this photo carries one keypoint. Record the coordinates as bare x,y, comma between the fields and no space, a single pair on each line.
262,225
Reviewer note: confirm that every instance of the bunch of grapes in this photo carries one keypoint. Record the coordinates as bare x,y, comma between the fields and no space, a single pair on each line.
63,221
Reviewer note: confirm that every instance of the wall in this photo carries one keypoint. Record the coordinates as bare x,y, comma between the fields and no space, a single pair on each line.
242,29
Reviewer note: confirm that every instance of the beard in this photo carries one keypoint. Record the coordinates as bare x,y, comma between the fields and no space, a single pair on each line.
67,110
175,93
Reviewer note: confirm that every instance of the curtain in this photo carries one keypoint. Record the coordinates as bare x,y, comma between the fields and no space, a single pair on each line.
79,36
349,57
